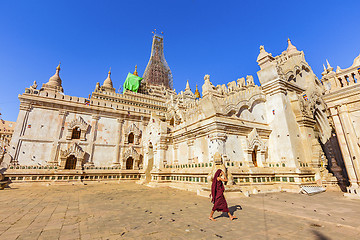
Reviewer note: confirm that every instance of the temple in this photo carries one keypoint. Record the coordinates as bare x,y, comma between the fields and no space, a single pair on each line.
292,130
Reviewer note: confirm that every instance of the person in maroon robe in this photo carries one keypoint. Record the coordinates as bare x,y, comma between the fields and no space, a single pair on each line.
217,194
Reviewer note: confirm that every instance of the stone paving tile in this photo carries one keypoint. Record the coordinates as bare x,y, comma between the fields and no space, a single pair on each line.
131,211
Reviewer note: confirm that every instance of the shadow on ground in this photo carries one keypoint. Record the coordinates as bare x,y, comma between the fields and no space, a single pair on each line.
232,210
320,236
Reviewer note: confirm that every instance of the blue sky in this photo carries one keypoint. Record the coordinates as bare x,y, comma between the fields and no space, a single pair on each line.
220,38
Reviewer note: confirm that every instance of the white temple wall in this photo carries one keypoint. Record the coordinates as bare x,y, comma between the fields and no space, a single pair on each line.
104,155
259,112
284,129
234,149
170,155
42,124
355,119
246,114
201,149
40,128
183,153
157,158
215,146
106,131
34,153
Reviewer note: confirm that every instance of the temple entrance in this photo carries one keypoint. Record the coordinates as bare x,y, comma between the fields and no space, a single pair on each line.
253,155
71,162
129,163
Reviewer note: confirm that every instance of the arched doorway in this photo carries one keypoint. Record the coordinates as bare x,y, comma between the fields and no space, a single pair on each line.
129,163
253,155
131,138
70,162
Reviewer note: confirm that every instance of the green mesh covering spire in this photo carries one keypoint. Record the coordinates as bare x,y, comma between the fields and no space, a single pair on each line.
132,83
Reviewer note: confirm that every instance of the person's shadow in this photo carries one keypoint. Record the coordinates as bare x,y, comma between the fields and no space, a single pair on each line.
232,210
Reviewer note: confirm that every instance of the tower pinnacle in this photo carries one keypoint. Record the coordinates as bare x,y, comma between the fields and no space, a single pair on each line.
329,68
197,93
187,85
135,72
290,48
54,83
157,71
108,85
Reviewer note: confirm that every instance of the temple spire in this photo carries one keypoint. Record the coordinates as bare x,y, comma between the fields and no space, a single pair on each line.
157,71
290,48
329,68
197,93
135,72
108,85
54,83
187,86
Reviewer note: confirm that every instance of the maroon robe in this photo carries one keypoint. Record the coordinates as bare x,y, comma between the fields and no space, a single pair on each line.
217,193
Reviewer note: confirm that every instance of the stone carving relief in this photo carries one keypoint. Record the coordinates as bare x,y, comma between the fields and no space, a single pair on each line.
256,149
207,86
73,150
34,86
222,89
232,86
241,82
253,139
131,152
305,107
133,129
250,81
80,123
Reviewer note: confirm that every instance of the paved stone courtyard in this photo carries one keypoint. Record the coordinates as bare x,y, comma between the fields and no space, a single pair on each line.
132,211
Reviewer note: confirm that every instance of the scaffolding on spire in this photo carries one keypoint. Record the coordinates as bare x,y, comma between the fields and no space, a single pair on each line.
157,71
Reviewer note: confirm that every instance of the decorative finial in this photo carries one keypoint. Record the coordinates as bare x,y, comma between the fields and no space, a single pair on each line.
329,68
262,48
109,71
207,77
328,64
324,67
187,86
135,72
197,93
58,67
291,48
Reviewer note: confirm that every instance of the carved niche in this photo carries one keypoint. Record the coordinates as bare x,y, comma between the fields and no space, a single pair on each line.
78,125
131,153
132,134
256,149
72,157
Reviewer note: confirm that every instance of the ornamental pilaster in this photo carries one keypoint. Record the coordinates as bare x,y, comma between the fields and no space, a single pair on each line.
120,122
